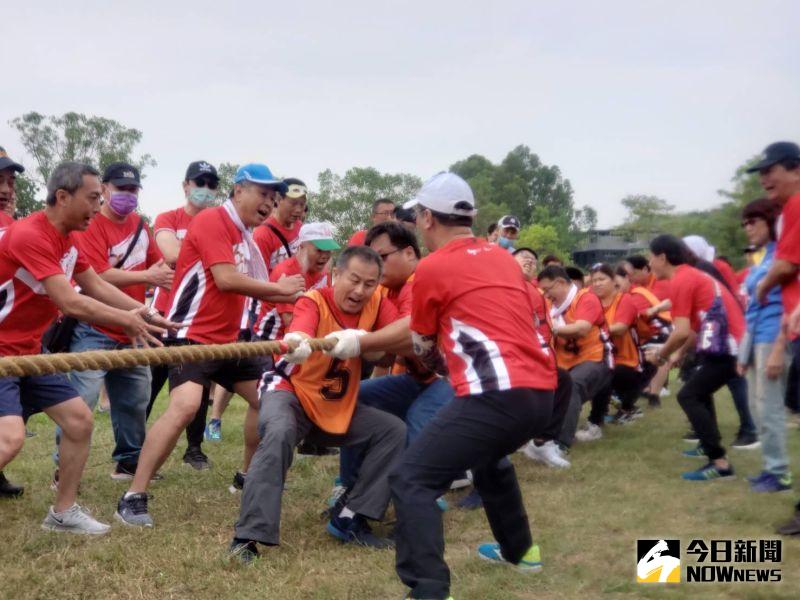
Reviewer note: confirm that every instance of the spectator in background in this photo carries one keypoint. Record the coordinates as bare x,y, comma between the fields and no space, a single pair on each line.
641,275
383,210
551,259
528,262
492,233
576,276
705,251
407,218
508,228
763,354
8,178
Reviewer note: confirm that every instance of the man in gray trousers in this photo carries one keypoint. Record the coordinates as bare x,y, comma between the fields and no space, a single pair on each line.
313,396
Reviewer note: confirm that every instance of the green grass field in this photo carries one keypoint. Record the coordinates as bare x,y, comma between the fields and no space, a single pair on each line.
586,519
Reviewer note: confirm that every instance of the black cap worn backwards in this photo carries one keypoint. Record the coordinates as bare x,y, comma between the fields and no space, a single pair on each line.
7,163
121,173
200,168
775,153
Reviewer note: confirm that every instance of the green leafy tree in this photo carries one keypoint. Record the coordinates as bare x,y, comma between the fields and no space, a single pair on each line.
25,191
645,213
346,201
97,141
226,172
544,239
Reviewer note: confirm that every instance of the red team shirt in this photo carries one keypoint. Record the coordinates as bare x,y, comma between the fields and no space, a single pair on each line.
483,318
5,220
177,222
271,246
269,325
659,287
209,315
105,242
788,249
358,238
540,312
693,292
30,252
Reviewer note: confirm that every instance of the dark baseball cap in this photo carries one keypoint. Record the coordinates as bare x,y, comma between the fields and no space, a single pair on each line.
7,163
775,153
121,173
201,168
509,221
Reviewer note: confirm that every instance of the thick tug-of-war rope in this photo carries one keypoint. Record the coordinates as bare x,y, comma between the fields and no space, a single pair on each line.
45,364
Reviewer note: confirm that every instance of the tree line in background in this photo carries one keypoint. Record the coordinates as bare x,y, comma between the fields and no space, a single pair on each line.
521,184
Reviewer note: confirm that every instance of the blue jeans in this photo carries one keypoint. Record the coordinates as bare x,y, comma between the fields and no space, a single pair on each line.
738,389
128,393
404,397
768,396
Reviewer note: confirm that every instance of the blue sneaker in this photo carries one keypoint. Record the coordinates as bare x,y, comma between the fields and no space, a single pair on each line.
760,477
696,452
442,504
532,561
772,483
214,430
708,473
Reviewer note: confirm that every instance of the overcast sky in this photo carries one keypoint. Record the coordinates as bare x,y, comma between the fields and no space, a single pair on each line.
664,98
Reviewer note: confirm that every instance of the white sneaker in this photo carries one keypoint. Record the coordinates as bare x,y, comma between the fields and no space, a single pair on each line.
74,520
664,392
590,433
462,482
548,453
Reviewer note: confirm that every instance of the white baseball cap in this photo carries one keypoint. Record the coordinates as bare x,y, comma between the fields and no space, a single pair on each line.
320,234
445,193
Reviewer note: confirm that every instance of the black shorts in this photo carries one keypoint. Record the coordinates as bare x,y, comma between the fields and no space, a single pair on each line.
226,373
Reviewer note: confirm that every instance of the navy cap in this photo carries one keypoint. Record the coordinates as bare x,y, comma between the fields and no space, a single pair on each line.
7,163
200,168
509,221
775,153
121,173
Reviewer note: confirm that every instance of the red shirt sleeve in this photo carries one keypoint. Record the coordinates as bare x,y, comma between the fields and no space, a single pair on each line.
589,309
788,248
404,301
626,311
93,245
681,296
36,254
425,304
306,317
216,245
5,220
641,303
165,221
153,253
358,238
387,313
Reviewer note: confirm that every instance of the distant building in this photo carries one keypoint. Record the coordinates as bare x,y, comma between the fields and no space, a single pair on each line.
608,246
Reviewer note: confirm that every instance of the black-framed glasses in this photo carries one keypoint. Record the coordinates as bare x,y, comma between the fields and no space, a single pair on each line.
385,255
208,182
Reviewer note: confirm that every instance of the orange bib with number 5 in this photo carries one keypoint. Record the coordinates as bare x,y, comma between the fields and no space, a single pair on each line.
327,387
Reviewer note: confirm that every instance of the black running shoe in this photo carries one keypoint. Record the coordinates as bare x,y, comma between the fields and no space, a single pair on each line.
653,401
8,489
245,552
691,437
471,501
746,441
309,449
238,483
195,458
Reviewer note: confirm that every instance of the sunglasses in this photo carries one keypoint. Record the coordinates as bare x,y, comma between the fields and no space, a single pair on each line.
208,182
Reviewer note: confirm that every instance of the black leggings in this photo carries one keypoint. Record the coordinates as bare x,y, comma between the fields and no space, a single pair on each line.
627,383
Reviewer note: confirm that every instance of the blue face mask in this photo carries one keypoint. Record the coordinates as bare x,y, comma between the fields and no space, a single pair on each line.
202,197
504,242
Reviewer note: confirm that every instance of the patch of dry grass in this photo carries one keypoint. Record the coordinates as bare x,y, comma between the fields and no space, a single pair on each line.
586,520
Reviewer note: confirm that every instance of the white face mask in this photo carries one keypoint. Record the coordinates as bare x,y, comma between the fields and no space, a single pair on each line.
202,197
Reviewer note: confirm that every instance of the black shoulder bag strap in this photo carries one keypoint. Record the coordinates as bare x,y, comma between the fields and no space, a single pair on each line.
282,239
132,245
